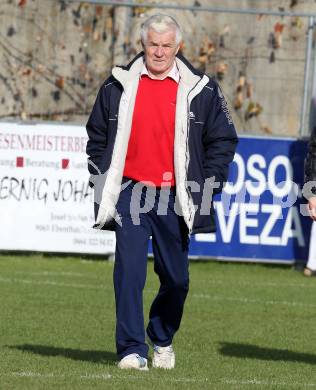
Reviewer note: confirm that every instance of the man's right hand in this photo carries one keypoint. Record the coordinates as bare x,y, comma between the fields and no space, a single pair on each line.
311,206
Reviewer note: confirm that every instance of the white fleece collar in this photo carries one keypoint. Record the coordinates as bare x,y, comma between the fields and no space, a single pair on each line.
187,76
125,76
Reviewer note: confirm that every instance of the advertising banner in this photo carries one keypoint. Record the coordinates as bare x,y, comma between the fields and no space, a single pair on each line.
261,214
45,201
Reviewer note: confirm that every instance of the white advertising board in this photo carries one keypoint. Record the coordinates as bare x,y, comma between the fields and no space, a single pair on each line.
46,203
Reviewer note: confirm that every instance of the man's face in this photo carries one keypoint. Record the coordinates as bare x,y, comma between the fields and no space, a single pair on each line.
160,51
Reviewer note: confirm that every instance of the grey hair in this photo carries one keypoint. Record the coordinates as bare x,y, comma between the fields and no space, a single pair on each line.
160,23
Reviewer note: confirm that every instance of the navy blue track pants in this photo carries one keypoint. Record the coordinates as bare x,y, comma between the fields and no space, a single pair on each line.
170,242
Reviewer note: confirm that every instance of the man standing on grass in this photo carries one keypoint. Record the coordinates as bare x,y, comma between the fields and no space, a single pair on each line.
160,138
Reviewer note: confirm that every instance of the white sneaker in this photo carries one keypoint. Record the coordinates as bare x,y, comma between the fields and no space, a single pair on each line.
164,357
134,361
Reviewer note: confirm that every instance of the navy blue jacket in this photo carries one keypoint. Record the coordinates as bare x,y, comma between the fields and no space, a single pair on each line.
205,141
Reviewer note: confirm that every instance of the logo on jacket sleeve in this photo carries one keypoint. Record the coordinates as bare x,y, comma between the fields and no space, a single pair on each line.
224,106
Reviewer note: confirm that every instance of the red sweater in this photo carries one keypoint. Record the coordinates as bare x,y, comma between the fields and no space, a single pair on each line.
151,145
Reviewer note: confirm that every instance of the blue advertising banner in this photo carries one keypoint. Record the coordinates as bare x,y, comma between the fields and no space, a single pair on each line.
260,214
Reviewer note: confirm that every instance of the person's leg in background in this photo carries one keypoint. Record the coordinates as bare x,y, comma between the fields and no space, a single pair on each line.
310,269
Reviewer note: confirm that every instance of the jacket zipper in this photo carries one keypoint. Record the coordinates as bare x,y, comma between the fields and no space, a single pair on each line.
188,157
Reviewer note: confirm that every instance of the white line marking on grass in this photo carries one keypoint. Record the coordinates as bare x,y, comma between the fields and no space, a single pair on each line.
256,284
105,376
53,283
61,284
248,300
257,382
188,380
51,273
198,296
30,374
96,376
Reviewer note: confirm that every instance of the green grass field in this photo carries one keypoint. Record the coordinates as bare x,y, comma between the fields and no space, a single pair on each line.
245,326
